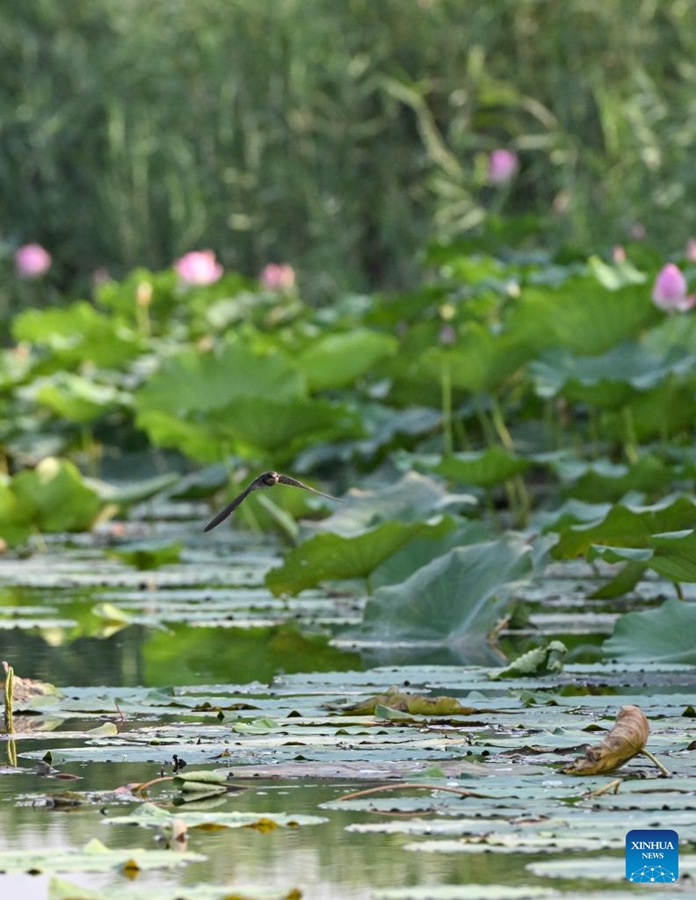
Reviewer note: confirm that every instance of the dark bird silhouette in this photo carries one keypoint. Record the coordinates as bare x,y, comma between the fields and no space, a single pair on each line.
268,479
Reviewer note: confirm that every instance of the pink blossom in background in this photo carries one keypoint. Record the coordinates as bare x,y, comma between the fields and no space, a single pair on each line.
278,277
669,291
618,255
32,261
691,249
502,165
199,267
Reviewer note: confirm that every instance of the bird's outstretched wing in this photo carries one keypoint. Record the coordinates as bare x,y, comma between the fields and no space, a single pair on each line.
293,482
268,479
230,508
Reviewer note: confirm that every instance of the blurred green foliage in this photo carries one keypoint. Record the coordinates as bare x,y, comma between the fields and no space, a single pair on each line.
339,136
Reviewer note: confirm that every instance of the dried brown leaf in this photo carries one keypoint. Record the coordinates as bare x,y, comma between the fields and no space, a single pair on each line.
627,738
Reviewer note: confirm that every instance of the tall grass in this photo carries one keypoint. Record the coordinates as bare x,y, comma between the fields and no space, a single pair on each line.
338,136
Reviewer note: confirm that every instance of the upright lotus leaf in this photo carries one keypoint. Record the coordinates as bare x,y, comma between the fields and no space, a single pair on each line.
602,479
78,334
327,557
15,518
337,360
76,398
479,361
573,513
384,430
413,498
197,440
666,635
154,290
617,276
610,379
456,599
201,484
238,400
264,425
483,468
125,494
654,415
56,496
626,526
419,551
15,366
156,300
192,383
582,315
672,554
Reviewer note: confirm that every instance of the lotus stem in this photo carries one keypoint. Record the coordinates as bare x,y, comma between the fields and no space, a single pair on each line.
656,762
9,687
446,391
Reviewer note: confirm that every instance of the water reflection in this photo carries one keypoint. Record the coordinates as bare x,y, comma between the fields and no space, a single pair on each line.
322,861
182,655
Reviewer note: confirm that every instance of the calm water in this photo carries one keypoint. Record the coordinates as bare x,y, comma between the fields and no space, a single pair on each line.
209,620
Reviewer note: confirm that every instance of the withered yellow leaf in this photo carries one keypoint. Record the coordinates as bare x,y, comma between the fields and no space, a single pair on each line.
413,704
628,737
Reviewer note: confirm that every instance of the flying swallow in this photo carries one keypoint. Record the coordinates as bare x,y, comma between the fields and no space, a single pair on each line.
268,479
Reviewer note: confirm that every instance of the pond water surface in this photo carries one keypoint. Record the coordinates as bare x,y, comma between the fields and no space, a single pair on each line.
197,661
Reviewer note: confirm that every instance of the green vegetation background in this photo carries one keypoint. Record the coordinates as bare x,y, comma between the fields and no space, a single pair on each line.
338,136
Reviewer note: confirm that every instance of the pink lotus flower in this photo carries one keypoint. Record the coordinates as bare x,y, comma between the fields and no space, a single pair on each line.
502,165
199,268
32,261
669,291
278,277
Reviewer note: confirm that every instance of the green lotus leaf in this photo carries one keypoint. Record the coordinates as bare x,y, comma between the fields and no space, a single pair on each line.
203,483
656,414
77,398
127,493
582,316
617,276
147,555
282,427
626,526
150,816
608,380
15,365
672,555
413,498
484,468
192,384
479,361
332,556
78,334
337,360
457,598
93,857
56,496
664,635
419,551
604,480
15,518
209,405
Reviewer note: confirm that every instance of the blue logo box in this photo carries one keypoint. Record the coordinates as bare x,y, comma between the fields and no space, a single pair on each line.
652,856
